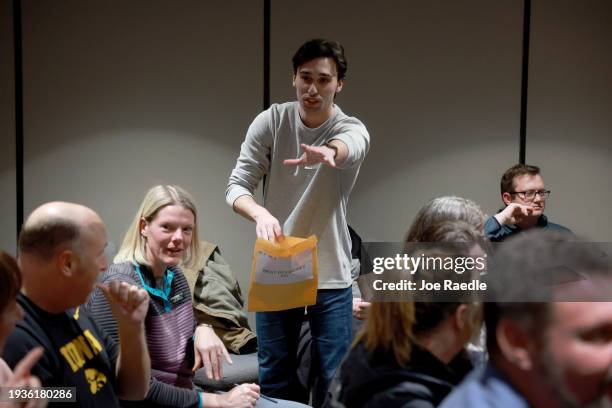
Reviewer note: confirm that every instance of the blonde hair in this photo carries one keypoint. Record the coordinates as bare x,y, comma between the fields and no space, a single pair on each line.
389,327
133,247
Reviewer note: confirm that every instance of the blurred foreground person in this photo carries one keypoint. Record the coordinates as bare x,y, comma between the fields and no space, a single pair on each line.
549,330
10,314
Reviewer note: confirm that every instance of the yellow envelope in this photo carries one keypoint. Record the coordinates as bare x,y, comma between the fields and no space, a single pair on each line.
283,275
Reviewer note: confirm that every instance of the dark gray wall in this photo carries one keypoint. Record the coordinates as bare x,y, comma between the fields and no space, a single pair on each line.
570,111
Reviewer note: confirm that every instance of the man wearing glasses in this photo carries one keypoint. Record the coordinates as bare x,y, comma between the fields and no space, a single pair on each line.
523,193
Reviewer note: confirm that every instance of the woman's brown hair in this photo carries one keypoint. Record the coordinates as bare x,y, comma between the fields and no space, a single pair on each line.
10,279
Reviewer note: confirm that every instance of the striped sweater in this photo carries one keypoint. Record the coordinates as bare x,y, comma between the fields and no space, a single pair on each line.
169,324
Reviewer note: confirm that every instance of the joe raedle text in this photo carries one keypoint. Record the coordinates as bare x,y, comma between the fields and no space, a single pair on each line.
412,286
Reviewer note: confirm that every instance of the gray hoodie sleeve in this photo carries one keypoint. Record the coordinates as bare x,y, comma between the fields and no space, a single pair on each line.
356,137
254,159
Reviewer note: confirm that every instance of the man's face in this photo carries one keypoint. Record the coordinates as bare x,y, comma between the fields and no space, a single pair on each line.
91,259
577,355
528,183
316,83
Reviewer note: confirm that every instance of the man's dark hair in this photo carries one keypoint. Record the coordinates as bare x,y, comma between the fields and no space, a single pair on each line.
527,268
45,238
507,181
319,48
10,279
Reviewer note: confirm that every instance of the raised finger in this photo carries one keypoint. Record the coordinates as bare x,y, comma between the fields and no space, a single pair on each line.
23,368
33,382
136,296
113,286
112,290
124,293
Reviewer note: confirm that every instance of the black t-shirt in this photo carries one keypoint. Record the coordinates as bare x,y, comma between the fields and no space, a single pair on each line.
77,353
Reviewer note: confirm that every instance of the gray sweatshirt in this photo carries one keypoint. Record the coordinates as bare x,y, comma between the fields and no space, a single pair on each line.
305,199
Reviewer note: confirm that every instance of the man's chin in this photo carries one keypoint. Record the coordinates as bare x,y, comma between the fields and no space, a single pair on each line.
311,108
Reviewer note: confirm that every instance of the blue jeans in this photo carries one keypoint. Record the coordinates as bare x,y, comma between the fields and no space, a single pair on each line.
277,337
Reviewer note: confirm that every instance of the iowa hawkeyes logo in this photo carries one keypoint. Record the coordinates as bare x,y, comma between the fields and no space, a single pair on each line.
96,380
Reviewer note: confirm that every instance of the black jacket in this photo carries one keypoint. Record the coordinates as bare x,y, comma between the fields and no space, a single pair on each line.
376,380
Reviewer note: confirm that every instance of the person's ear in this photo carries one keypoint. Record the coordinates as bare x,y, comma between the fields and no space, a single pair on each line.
66,262
460,317
506,197
144,227
340,85
293,81
514,343
463,321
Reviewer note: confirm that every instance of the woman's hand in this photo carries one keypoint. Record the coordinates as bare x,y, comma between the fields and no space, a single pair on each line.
209,352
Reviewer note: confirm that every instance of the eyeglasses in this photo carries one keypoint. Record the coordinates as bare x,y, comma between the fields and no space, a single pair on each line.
530,195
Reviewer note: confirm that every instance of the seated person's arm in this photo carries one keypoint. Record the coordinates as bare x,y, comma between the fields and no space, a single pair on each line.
241,396
129,305
513,214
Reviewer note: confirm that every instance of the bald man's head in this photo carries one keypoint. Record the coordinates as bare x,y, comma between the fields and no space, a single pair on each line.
62,252
55,226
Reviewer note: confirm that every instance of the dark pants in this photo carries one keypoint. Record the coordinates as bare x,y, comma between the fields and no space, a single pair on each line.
278,335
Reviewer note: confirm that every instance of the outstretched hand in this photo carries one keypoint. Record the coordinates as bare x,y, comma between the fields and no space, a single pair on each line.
313,155
128,302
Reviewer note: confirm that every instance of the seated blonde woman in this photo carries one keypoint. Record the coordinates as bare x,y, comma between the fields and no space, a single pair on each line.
411,354
162,240
162,237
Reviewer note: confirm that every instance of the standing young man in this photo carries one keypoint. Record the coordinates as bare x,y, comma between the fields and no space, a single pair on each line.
310,153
